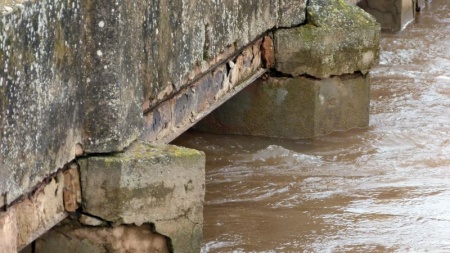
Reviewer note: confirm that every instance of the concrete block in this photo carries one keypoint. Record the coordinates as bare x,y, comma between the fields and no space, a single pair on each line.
8,232
71,238
159,184
72,188
393,15
339,38
294,108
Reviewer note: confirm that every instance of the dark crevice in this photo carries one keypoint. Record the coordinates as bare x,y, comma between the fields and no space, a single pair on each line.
228,68
275,73
278,74
291,26
33,247
5,200
106,154
87,154
109,223
308,76
169,243
350,75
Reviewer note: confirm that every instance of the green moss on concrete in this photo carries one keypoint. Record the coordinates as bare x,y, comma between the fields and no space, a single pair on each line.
143,151
336,13
149,151
334,41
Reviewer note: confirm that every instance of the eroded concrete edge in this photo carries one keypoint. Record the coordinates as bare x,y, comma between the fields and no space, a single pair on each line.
177,114
31,216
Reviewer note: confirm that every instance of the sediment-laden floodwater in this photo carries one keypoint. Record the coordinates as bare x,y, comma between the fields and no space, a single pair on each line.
381,189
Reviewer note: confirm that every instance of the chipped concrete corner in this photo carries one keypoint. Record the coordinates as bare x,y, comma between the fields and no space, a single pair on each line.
149,184
30,217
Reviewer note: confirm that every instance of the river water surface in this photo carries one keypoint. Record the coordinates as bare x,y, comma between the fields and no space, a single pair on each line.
381,189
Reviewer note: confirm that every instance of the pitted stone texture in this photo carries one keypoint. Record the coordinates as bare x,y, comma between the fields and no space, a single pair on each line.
70,238
339,38
8,232
113,97
59,88
41,92
393,15
159,184
294,108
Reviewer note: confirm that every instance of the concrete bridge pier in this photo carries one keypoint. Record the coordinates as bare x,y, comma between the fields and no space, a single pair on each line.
147,199
319,82
393,15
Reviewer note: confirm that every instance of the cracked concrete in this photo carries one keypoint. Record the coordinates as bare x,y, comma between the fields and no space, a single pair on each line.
156,184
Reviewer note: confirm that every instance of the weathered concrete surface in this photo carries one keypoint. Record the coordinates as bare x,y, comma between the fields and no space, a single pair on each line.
8,232
55,92
40,95
393,15
79,73
159,184
294,108
111,78
339,38
75,239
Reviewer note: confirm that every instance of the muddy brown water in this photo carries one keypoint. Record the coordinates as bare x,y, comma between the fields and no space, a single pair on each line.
381,189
